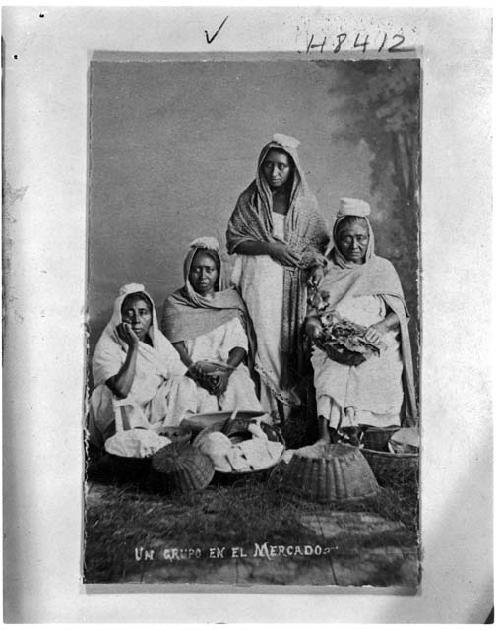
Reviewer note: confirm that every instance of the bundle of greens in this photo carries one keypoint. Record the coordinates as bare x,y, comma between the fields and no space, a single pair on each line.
341,339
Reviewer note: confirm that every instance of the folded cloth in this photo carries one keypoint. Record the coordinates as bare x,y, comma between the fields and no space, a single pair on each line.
137,443
254,454
405,440
353,208
217,446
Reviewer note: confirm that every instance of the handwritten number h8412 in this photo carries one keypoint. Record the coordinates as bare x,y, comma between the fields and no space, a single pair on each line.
360,41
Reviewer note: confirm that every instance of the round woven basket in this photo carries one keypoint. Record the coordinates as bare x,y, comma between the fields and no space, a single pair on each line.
376,438
393,468
330,474
181,468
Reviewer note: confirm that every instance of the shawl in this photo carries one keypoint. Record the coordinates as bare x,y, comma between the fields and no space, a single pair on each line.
187,314
110,351
305,233
376,276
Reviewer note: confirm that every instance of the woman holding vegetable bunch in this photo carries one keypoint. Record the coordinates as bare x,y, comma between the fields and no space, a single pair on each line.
365,387
280,239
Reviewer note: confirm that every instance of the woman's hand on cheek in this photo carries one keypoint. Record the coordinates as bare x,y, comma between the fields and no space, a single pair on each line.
127,335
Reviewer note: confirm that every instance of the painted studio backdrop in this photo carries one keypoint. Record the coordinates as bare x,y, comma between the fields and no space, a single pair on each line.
172,144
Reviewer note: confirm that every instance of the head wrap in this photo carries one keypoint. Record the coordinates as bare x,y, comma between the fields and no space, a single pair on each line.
351,208
116,318
305,233
187,314
287,142
210,245
110,350
304,228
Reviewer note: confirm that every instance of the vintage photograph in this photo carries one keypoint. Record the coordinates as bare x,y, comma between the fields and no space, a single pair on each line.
253,321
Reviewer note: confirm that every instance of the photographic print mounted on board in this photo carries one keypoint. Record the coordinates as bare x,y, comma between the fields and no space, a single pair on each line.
253,314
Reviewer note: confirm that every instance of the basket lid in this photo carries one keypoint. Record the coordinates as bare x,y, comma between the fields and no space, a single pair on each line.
176,457
325,451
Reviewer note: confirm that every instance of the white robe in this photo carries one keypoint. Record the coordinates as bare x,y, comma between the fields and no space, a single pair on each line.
216,346
161,393
260,279
370,393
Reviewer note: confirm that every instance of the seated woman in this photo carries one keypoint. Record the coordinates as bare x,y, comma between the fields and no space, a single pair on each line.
134,364
206,324
366,290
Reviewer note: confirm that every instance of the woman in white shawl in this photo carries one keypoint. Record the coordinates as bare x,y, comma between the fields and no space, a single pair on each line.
366,290
137,370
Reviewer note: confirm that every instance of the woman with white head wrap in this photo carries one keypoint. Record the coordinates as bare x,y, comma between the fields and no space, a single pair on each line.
366,290
133,363
280,237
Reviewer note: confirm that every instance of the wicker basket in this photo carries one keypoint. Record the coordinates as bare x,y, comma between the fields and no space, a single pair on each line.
181,468
127,468
393,468
334,473
376,438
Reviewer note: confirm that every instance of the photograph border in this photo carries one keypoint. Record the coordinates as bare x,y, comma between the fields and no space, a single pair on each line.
44,545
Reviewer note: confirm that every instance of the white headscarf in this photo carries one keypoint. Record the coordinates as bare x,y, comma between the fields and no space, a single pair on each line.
110,351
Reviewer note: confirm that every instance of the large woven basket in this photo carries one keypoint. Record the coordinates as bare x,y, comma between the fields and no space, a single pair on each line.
393,468
330,474
181,468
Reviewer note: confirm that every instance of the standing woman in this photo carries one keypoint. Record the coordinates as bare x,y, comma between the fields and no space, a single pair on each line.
280,238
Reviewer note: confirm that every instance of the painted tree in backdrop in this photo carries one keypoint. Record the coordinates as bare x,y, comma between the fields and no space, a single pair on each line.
378,102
